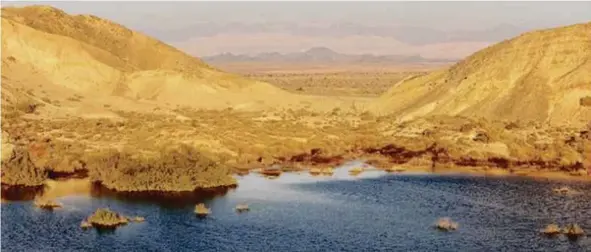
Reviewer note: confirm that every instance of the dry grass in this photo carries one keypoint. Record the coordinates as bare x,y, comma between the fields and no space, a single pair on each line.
162,152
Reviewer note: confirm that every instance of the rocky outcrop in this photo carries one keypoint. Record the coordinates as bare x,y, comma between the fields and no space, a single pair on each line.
242,208
573,231
551,230
47,204
446,224
104,218
201,211
20,170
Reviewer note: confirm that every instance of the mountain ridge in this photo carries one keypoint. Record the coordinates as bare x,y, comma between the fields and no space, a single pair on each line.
320,54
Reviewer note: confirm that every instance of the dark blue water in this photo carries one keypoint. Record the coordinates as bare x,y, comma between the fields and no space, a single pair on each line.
296,213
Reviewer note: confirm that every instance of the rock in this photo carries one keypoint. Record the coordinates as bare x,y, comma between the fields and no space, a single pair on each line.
565,190
356,171
85,224
315,171
47,204
271,172
481,137
242,208
138,219
395,169
201,210
573,231
446,224
328,171
579,172
551,229
105,218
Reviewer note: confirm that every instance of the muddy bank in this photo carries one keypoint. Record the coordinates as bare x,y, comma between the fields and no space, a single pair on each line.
180,155
21,192
171,198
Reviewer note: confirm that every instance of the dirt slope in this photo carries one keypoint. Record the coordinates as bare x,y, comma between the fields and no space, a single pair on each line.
541,75
57,56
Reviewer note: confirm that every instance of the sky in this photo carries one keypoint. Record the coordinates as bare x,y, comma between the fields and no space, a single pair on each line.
206,28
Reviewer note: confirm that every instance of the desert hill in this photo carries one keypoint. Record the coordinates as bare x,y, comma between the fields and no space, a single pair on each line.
56,56
542,75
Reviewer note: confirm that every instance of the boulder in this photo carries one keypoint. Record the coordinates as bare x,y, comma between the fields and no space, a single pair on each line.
551,229
105,218
242,208
201,211
446,224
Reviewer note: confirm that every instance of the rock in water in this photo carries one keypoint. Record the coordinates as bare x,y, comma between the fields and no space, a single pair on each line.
315,171
85,224
355,171
201,210
328,171
47,204
565,190
551,229
271,172
242,208
573,231
446,224
105,218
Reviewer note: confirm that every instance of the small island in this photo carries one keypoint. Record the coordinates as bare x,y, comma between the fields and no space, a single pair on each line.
104,218
242,208
201,211
551,230
573,231
47,204
446,224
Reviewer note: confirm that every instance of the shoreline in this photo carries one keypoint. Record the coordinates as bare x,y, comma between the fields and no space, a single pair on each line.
83,186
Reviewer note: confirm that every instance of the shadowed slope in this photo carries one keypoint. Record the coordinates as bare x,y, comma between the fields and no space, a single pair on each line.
540,76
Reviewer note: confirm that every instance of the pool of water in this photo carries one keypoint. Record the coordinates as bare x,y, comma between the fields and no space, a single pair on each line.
300,213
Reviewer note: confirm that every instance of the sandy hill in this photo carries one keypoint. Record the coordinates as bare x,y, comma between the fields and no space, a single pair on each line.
542,75
57,56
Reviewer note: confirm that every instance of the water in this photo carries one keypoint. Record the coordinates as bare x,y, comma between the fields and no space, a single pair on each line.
300,213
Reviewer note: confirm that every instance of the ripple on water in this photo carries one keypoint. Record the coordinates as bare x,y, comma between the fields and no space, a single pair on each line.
383,213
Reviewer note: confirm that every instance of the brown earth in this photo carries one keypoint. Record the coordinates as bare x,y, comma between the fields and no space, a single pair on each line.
107,111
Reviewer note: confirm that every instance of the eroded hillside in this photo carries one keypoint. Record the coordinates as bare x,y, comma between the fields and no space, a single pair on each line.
59,56
542,75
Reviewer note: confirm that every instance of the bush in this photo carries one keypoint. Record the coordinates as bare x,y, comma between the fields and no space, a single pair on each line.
176,168
585,101
27,106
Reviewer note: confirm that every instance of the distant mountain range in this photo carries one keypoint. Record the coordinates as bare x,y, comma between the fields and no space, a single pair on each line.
320,55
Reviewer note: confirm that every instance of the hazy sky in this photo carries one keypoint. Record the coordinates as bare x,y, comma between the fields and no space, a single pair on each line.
411,23
439,15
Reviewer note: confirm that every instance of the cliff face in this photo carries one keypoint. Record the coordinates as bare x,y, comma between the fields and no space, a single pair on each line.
541,75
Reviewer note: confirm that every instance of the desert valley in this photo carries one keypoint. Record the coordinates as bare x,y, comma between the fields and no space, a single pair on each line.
120,113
